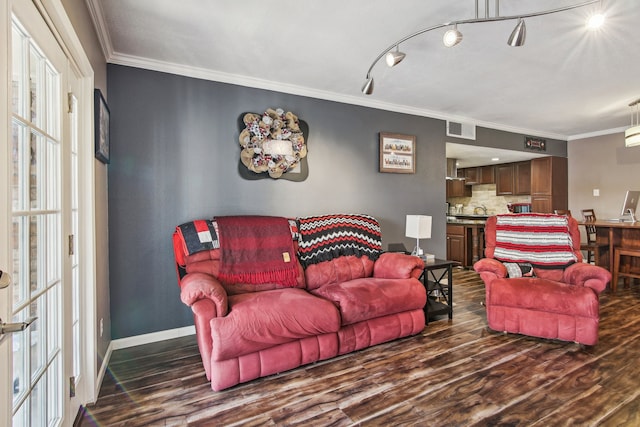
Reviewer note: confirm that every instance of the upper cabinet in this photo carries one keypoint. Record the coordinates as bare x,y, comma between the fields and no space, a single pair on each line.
549,184
513,179
504,180
479,175
457,188
522,178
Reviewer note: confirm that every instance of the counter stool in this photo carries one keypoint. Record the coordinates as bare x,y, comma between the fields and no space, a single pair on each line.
591,247
626,273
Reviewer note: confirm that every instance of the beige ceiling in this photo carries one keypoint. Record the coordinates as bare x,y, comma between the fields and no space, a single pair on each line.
565,82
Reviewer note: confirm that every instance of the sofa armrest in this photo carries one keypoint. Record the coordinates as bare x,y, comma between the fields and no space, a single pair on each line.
591,276
396,265
201,286
490,269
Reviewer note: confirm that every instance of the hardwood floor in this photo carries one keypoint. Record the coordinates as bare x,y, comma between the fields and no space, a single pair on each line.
455,373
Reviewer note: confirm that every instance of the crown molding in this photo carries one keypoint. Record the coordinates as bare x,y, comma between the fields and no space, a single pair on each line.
597,133
97,16
252,82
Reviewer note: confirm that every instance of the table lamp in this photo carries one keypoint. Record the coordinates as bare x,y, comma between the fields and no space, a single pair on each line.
418,227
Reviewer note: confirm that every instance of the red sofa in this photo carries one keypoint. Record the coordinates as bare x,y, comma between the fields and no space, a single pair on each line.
246,331
559,303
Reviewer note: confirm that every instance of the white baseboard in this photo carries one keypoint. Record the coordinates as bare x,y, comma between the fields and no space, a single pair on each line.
152,337
103,369
139,340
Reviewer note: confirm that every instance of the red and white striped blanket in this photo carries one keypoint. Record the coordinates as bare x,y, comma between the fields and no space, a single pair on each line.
540,239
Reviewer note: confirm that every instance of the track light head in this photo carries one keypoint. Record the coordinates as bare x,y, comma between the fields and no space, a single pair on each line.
452,37
518,35
595,21
367,88
394,58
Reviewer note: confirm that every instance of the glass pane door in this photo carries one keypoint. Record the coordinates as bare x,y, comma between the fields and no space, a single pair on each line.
36,230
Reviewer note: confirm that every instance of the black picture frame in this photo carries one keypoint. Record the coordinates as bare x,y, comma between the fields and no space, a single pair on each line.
535,144
101,126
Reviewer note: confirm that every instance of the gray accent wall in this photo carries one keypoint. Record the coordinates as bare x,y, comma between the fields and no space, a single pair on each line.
174,158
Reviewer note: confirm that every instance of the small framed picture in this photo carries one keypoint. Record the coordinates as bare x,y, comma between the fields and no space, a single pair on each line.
101,123
535,144
397,153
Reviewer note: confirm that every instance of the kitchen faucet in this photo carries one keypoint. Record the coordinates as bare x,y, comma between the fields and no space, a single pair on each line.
482,208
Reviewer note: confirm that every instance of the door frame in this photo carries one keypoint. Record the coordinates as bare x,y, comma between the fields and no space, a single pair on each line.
56,18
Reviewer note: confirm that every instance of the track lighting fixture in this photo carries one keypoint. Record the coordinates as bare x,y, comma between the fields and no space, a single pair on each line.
452,37
367,88
518,35
394,58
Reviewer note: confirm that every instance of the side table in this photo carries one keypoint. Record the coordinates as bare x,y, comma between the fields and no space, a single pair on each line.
432,277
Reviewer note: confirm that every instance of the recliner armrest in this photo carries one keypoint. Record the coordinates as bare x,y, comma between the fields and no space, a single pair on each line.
198,286
591,276
396,265
490,269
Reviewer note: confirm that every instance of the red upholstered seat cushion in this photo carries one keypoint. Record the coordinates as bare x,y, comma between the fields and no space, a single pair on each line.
338,270
368,298
259,320
544,296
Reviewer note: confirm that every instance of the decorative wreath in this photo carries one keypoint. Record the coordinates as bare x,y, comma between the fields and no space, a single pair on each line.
272,142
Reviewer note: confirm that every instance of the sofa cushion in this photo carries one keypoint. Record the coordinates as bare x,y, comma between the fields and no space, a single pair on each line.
260,320
337,270
209,262
544,295
368,298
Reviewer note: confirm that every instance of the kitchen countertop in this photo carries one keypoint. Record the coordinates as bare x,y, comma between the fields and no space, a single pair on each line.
463,221
467,219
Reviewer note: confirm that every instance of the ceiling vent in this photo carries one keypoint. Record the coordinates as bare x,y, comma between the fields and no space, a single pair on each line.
461,130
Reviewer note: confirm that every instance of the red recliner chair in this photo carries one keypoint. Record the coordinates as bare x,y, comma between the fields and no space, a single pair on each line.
536,283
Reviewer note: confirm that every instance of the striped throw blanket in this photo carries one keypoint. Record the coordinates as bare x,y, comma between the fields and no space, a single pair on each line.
256,250
540,239
323,238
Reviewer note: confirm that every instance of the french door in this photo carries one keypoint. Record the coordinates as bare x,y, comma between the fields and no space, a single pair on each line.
43,364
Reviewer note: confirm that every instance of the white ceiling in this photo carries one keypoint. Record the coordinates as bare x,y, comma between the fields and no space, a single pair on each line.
472,155
565,82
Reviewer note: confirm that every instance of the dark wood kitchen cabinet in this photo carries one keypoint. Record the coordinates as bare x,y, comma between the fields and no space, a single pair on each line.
513,179
456,248
549,184
505,180
522,178
457,188
479,175
487,174
465,242
471,175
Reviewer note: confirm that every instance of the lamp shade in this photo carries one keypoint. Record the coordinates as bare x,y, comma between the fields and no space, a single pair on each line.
632,136
418,226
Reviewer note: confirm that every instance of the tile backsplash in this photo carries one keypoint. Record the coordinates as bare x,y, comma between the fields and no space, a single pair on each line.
485,194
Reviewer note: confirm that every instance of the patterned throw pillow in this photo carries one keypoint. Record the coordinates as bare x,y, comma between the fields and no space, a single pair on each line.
515,269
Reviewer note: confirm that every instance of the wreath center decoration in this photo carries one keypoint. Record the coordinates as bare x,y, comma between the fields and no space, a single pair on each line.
272,142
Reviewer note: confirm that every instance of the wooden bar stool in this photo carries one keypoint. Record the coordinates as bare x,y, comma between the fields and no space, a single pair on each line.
626,273
591,247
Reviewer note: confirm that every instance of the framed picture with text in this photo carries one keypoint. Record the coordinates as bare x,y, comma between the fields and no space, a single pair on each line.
397,153
101,124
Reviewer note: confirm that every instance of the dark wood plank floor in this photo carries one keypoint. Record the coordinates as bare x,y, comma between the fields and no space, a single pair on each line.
455,373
